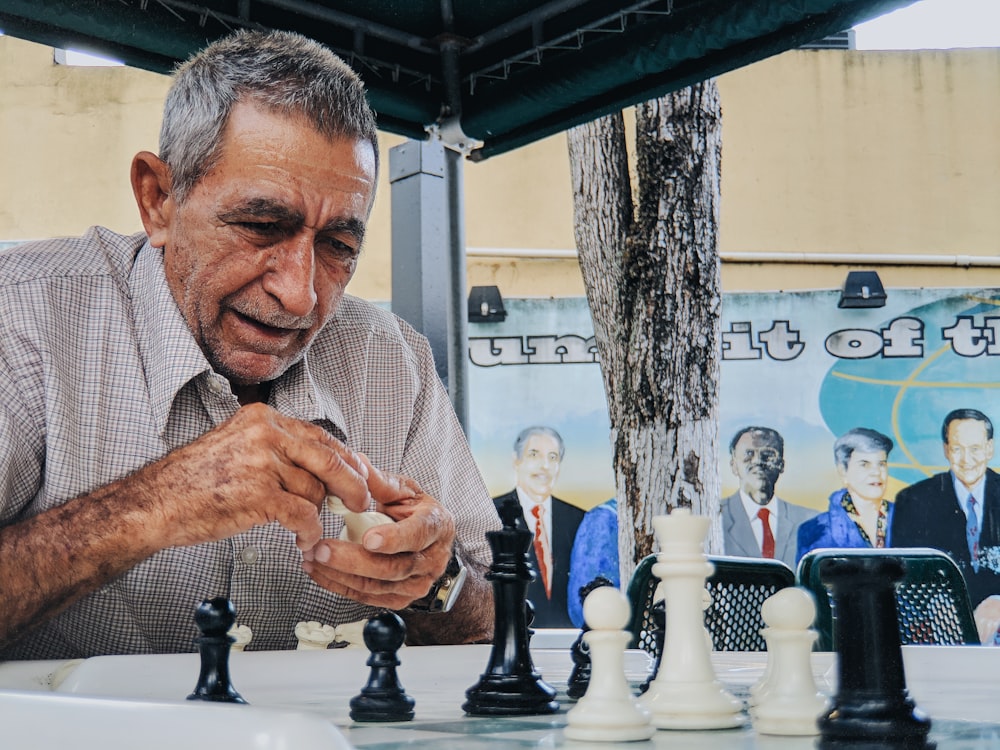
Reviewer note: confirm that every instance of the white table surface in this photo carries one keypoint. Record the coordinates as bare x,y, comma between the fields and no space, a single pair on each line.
298,700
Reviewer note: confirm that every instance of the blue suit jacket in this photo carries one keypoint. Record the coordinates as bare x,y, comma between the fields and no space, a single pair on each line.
835,529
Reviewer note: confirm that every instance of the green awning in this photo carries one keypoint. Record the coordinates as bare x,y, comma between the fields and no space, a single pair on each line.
507,71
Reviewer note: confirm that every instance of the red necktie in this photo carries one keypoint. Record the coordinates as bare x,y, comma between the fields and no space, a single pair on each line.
767,545
540,545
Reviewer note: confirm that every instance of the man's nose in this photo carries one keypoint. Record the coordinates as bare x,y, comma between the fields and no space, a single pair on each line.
292,276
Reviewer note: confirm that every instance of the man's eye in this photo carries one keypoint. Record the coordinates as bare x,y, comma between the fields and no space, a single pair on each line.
335,247
260,228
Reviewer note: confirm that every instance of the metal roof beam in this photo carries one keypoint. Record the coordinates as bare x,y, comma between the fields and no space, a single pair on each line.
346,20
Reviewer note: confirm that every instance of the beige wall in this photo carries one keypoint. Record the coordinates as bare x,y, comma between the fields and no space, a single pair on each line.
873,153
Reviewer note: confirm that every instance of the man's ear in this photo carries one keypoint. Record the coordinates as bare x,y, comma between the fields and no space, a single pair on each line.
151,185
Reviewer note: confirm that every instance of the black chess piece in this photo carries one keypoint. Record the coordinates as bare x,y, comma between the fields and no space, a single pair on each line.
659,617
510,686
872,708
214,618
383,697
579,652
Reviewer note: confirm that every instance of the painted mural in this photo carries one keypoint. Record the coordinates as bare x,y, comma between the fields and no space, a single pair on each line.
852,408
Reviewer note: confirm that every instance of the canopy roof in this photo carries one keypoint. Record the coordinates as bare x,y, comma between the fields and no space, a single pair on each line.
506,72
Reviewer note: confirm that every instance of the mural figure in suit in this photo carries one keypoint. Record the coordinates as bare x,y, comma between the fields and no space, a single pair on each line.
538,455
757,459
935,512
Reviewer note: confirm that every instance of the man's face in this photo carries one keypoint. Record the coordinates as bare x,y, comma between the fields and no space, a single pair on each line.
259,253
538,469
968,450
866,475
758,463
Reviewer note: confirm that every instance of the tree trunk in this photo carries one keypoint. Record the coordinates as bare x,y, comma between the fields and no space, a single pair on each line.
651,270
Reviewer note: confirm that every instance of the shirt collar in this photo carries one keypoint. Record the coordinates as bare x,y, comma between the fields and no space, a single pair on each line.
751,506
962,493
170,356
528,503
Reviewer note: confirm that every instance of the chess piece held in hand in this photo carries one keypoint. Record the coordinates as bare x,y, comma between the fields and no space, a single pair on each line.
383,697
214,618
355,524
608,712
685,693
786,700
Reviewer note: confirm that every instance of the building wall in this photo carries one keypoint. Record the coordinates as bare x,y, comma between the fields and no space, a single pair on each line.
858,152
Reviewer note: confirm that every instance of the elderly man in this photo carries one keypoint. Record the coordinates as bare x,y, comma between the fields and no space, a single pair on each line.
537,458
178,404
958,511
755,523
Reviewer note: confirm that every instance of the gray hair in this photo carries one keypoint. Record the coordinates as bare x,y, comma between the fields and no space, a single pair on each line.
859,439
527,432
280,70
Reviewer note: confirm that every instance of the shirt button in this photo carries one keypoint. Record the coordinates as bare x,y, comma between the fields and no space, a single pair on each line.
214,384
250,555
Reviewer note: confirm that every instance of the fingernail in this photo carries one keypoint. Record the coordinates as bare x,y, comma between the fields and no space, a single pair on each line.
373,541
322,554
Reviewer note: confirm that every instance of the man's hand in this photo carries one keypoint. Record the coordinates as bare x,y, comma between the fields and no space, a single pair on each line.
257,467
395,563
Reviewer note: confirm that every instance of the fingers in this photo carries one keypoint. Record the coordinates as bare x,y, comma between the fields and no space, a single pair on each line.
421,523
391,581
396,563
341,471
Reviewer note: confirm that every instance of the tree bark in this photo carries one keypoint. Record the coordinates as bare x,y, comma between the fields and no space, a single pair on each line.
651,270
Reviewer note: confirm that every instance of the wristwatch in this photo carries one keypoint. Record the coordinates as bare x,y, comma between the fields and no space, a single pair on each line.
445,590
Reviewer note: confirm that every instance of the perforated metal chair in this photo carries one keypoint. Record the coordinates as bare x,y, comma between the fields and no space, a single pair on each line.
932,599
738,587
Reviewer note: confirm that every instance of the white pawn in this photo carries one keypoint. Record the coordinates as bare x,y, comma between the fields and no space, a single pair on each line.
685,693
786,701
608,712
314,636
242,635
355,524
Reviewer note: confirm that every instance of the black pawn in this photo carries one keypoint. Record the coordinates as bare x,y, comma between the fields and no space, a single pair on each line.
214,618
383,698
510,686
872,708
579,678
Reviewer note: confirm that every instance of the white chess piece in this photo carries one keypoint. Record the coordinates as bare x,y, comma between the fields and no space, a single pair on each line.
313,635
686,693
352,634
243,636
608,712
786,700
355,524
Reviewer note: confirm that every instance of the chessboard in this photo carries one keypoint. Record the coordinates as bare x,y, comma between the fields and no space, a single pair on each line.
321,683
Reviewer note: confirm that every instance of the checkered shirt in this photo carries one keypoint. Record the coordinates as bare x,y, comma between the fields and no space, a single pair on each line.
99,376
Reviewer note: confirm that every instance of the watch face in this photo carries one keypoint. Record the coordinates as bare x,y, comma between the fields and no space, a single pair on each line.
449,592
